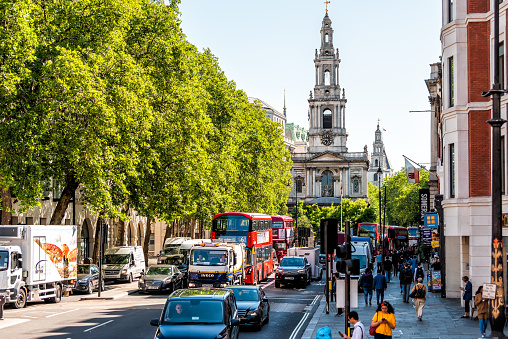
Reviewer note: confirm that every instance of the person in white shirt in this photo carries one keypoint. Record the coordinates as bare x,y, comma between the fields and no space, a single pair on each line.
359,330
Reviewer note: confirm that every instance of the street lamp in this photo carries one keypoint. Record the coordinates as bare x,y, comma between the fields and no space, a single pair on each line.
379,174
299,183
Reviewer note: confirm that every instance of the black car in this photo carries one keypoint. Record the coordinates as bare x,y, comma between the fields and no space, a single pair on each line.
161,278
253,306
199,313
88,278
293,270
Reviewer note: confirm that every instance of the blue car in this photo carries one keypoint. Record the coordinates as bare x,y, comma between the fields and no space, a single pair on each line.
199,313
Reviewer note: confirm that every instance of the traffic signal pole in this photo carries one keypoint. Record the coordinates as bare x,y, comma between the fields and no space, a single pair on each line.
347,280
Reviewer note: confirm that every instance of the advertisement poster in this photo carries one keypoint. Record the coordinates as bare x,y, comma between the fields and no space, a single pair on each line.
436,280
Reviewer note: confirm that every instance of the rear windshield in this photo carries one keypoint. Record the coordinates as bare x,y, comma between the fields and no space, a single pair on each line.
246,294
194,312
291,262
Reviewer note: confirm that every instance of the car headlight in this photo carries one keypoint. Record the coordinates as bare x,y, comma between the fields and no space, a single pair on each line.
279,270
253,313
191,284
83,281
300,271
141,280
124,271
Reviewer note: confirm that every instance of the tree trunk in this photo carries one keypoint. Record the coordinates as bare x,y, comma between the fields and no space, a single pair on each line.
120,227
97,243
63,203
146,243
5,195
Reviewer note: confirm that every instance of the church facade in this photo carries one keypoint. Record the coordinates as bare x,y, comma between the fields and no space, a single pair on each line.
324,170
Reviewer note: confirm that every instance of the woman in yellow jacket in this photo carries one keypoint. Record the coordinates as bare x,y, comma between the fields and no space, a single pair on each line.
384,320
482,307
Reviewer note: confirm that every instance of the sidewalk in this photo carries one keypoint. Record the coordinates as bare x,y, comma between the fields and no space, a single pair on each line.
113,291
441,317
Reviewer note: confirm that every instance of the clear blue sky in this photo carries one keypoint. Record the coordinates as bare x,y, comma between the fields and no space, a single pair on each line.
386,47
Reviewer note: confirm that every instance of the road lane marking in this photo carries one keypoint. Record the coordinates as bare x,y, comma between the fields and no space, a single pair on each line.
303,320
49,316
93,328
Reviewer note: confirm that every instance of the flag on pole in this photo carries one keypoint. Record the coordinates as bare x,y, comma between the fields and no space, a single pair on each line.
341,188
412,174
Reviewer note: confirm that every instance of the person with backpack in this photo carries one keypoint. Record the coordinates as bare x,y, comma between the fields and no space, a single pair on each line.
419,273
406,279
366,282
418,293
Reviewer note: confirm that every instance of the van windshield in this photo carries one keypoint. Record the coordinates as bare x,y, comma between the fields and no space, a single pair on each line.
116,259
4,260
363,260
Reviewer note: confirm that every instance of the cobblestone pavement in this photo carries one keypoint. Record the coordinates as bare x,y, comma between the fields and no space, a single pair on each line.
441,317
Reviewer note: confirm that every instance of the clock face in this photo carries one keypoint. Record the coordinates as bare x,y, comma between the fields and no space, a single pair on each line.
327,139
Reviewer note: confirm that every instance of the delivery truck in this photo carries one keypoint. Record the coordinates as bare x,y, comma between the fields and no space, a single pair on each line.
312,255
37,262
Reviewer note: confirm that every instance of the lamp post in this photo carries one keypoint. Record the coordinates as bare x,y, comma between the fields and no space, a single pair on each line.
379,174
298,181
497,306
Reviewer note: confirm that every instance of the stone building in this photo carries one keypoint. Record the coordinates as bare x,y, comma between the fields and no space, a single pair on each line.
323,163
463,137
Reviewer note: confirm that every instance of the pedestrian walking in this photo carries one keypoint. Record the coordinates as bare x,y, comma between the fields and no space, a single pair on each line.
395,261
379,262
359,329
384,321
414,264
482,307
467,295
380,287
418,293
406,279
388,265
367,282
419,273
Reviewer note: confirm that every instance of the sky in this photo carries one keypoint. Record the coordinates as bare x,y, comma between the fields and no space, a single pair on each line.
385,46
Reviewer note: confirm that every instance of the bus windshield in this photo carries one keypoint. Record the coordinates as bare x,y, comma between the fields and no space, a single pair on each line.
413,232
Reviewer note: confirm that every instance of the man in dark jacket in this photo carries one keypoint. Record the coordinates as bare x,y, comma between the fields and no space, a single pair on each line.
380,287
388,269
366,282
406,278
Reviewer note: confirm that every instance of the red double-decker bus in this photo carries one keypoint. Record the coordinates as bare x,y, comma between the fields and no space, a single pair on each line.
397,238
283,234
369,229
255,231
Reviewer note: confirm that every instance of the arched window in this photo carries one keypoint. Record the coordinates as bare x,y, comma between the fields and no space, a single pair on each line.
356,186
327,184
84,248
327,78
376,163
326,37
129,235
327,118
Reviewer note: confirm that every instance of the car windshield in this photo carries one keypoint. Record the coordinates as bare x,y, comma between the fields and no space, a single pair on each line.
4,260
177,261
193,311
159,271
116,259
246,294
205,257
83,269
363,260
291,262
169,251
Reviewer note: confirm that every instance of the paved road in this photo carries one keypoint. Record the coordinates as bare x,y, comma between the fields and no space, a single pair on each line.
129,316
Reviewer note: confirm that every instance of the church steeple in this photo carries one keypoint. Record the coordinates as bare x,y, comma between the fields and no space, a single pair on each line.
327,108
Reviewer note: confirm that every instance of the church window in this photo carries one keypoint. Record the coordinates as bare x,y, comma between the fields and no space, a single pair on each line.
375,176
356,186
299,186
326,37
327,92
376,163
327,184
327,119
327,78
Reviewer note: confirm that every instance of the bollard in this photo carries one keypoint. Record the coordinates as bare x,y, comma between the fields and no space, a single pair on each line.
2,302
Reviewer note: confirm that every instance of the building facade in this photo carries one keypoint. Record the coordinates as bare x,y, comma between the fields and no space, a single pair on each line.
324,170
463,137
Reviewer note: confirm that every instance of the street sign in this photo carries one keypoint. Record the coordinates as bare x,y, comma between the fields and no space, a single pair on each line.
431,220
424,197
427,235
489,291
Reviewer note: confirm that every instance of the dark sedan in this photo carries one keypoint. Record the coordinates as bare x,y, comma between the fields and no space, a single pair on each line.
294,271
198,313
161,278
88,279
253,306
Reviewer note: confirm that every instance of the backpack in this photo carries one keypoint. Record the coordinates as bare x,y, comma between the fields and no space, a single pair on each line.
419,273
420,293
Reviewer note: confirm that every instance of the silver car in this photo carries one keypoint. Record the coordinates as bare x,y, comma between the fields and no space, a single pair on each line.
161,278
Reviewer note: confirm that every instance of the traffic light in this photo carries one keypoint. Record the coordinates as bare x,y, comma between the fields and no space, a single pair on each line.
350,266
342,251
329,235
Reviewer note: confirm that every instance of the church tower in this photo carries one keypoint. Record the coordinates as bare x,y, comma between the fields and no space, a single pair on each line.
379,159
327,107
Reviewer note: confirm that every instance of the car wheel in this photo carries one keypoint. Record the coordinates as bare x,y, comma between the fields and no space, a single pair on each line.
130,278
20,299
267,319
58,295
89,290
258,326
277,285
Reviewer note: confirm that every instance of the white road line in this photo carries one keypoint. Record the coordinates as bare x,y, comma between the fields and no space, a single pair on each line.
303,320
93,328
49,316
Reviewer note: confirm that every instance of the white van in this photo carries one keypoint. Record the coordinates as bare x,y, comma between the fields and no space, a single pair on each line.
312,255
361,250
188,244
123,263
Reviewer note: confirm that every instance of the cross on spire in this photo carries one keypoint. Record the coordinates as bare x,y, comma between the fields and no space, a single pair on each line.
326,3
